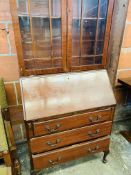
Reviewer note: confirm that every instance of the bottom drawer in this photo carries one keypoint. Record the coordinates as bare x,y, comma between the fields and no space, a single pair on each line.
62,155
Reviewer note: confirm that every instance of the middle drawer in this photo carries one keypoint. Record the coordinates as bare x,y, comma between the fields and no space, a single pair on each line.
53,141
71,122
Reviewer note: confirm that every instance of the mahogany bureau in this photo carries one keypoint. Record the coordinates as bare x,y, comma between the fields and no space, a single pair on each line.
67,116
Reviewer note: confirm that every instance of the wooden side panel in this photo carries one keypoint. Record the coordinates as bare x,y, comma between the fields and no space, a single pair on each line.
64,33
107,32
69,34
17,36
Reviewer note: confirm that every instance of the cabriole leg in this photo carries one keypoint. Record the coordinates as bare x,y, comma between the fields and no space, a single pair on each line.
105,156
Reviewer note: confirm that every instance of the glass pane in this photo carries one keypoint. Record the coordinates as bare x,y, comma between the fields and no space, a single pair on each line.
56,47
26,36
56,25
90,8
98,60
38,63
41,35
57,63
87,48
22,7
56,34
27,50
75,61
99,48
76,8
101,29
25,28
39,8
56,8
76,37
89,29
103,8
87,60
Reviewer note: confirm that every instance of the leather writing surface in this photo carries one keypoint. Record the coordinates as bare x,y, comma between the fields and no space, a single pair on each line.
64,93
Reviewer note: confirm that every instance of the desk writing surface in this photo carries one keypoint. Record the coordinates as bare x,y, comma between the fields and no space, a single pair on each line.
57,94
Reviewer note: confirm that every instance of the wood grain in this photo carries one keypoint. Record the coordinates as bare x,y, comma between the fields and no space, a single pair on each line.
107,32
53,141
46,96
69,153
74,121
17,35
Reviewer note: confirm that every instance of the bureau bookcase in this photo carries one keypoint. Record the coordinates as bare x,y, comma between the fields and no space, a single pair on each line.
67,115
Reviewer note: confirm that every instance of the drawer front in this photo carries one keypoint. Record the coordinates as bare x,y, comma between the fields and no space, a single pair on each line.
71,122
62,139
69,153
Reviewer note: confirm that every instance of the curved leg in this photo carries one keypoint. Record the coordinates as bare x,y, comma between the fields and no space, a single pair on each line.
105,155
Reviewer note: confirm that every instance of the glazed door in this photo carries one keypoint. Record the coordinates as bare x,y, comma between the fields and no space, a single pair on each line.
55,36
42,33
88,33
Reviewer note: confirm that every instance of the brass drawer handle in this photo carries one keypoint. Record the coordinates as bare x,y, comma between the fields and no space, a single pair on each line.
55,162
52,130
54,144
93,134
93,150
95,119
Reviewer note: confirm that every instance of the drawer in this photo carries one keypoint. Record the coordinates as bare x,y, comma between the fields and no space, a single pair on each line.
53,141
71,122
62,155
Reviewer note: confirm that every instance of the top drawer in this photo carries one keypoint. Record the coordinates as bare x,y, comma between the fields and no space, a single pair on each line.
71,122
